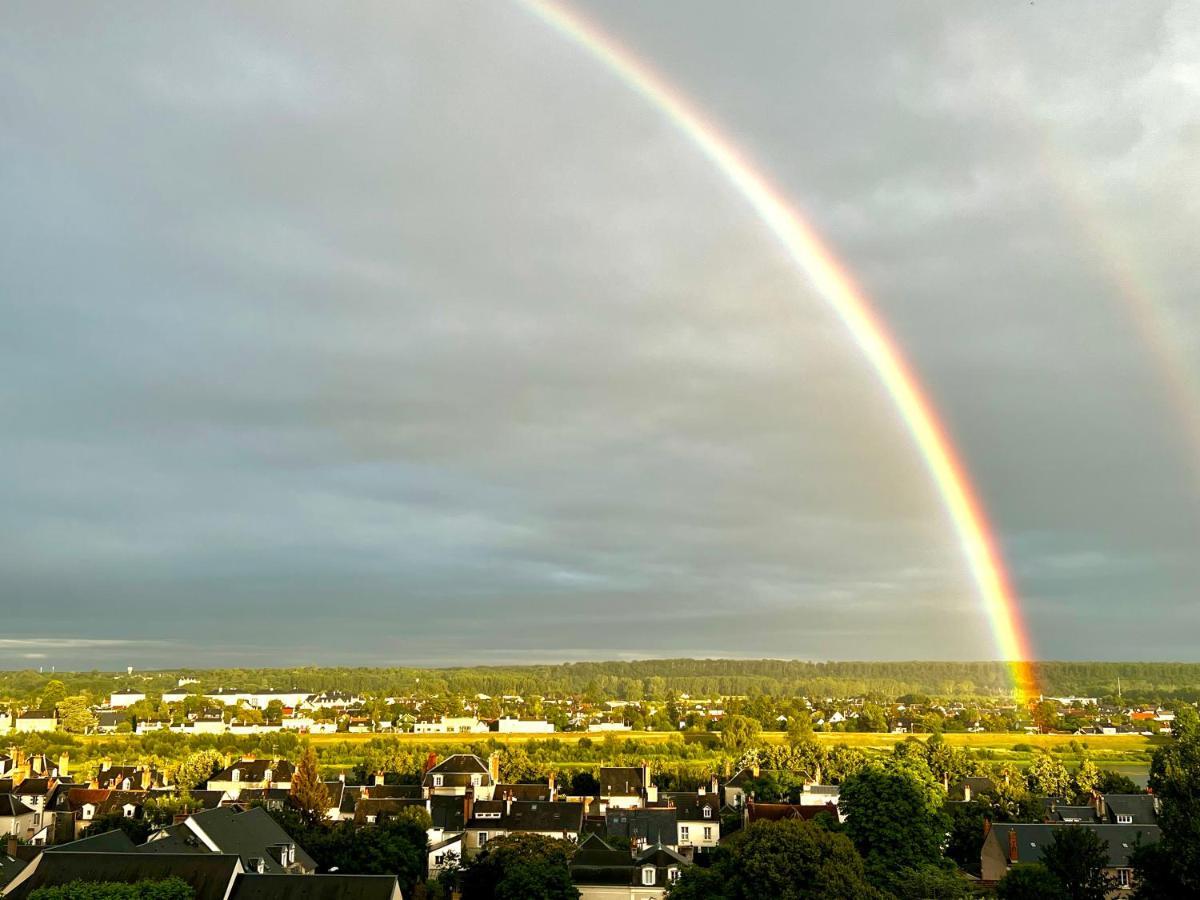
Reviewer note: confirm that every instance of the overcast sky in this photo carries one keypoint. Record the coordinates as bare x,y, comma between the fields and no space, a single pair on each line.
408,333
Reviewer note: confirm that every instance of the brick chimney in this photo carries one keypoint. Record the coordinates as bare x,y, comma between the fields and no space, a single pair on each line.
11,846
1012,845
378,779
550,783
1098,800
468,803
64,765
507,802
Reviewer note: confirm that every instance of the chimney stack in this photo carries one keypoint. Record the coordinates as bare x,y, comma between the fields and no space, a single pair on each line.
468,803
507,802
378,779
1012,845
966,792
64,764
494,767
11,847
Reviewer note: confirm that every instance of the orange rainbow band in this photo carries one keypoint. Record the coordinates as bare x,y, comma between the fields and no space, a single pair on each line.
837,288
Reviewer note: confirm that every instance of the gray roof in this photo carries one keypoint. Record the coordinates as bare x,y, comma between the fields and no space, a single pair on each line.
560,816
621,781
249,834
651,825
115,841
209,876
598,862
446,812
1140,806
1031,839
252,886
690,806
11,806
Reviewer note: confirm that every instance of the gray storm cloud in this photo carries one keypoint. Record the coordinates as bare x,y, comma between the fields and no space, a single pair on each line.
409,333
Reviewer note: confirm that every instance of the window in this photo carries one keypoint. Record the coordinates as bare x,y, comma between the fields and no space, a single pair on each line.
370,820
648,875
237,775
437,780
708,812
672,875
683,832
1124,819
708,832
476,780
482,838
1124,877
129,812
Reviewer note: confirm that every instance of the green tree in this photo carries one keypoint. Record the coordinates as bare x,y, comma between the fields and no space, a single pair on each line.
1086,778
52,693
1048,776
195,769
739,734
75,715
1031,881
892,820
309,794
872,718
1171,867
520,867
785,860
1110,782
1046,716
167,889
1077,857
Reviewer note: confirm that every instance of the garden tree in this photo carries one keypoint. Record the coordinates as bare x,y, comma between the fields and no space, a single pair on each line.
1046,716
1077,858
52,693
309,794
841,762
1030,881
516,766
1110,782
520,867
137,829
275,712
1048,776
947,764
75,716
161,810
584,784
1086,778
799,728
966,833
167,889
196,768
784,860
1171,867
775,786
739,734
895,824
872,718
418,815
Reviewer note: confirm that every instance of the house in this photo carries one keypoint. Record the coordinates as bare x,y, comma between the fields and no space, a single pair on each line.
1127,809
1007,844
124,699
697,817
450,725
252,835
603,872
543,790
6,724
252,773
127,778
52,816
16,818
627,786
487,819
37,720
109,720
88,804
970,787
216,876
774,812
461,771
737,787
10,864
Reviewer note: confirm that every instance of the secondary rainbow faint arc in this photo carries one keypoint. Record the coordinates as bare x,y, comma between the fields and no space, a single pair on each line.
837,288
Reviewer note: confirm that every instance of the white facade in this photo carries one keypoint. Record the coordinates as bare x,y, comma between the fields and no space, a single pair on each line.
122,699
451,725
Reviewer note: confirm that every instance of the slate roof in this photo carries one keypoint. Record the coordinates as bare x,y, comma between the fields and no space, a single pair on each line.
34,787
446,812
539,791
1031,839
249,834
251,770
394,791
597,862
252,886
12,806
384,808
621,781
1076,814
1140,806
209,876
9,868
115,841
774,812
456,771
558,817
651,825
690,806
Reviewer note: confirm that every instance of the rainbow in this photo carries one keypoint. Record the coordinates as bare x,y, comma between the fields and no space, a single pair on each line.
837,288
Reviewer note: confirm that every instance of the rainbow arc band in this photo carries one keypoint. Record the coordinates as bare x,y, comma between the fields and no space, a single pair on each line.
835,285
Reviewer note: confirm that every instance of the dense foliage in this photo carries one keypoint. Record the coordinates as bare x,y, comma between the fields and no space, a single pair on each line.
168,889
520,867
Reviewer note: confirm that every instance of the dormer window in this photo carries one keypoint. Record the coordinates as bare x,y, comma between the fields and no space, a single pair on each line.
476,780
437,780
1124,819
237,774
648,875
672,875
708,812
267,775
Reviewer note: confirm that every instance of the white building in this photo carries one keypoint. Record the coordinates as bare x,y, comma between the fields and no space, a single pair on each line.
524,726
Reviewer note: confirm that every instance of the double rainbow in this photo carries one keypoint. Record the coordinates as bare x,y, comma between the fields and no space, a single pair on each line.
834,284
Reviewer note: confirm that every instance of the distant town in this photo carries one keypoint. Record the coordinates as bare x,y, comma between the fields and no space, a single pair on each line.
426,792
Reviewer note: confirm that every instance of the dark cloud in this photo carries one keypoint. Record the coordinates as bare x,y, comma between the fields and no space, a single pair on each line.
409,333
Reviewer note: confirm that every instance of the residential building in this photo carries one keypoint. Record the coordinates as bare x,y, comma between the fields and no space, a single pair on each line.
1008,844
603,872
252,773
488,819
457,773
37,720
